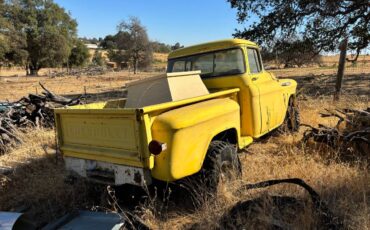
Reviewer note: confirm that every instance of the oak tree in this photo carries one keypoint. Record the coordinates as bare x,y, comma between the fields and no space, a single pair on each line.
135,44
324,22
42,34
79,55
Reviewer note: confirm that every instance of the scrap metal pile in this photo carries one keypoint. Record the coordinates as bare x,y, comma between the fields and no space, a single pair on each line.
351,134
32,111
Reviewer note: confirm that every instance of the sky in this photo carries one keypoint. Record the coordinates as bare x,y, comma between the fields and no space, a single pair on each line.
169,21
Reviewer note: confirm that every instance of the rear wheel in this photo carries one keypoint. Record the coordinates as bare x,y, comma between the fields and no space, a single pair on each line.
221,162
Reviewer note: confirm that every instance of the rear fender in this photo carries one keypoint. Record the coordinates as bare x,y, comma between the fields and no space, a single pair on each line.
188,131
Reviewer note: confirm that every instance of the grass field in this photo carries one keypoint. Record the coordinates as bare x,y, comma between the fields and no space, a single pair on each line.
38,183
13,88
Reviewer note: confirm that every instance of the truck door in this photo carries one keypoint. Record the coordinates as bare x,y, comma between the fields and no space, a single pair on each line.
270,92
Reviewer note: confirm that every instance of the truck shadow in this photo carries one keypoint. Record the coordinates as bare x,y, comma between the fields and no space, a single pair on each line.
160,197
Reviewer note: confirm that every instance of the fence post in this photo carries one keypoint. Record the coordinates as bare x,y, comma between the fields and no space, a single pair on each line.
341,66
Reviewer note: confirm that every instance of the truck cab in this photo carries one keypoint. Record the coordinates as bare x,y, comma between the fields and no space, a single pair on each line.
237,63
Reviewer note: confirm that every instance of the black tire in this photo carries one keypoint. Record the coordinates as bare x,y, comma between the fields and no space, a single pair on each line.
222,161
292,119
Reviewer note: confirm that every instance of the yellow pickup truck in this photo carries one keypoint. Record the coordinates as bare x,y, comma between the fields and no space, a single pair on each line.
132,141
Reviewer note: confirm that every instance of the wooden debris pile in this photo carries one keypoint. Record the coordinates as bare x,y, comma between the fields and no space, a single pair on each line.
88,71
32,111
351,134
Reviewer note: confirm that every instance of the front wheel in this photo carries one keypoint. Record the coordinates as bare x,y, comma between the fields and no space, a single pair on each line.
292,119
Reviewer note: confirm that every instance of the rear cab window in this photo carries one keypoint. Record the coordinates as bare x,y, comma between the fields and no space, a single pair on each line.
179,66
212,64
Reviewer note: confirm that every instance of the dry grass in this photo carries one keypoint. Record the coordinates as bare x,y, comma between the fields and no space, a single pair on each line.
160,57
18,71
334,58
318,71
344,186
38,184
13,88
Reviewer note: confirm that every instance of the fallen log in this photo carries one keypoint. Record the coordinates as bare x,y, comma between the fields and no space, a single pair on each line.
49,96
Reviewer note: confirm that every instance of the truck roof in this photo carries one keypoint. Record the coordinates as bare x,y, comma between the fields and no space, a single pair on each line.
209,46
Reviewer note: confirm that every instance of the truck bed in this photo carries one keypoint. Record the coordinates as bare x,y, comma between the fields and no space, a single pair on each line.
108,132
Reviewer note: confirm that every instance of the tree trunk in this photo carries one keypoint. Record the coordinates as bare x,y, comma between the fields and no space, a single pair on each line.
135,66
33,71
27,70
341,66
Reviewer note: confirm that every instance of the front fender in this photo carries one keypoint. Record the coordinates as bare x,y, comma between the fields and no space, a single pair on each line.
289,86
289,90
187,131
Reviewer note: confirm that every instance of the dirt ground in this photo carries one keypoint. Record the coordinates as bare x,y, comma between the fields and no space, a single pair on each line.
37,184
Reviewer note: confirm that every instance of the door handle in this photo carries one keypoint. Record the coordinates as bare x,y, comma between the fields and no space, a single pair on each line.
254,78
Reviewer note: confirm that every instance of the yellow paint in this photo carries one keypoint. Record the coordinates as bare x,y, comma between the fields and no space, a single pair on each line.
110,135
188,131
103,132
210,46
250,104
263,99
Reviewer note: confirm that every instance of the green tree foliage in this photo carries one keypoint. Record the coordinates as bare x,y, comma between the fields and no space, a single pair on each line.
3,49
325,22
176,46
292,52
160,47
79,55
3,26
6,32
41,34
117,45
133,44
98,59
109,42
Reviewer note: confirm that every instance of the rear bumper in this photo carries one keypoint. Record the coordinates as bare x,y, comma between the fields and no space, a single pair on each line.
108,173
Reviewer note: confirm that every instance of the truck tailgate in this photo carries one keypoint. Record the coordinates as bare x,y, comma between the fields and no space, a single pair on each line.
104,135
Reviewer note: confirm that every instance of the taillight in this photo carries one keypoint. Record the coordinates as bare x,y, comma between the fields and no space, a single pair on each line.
157,147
